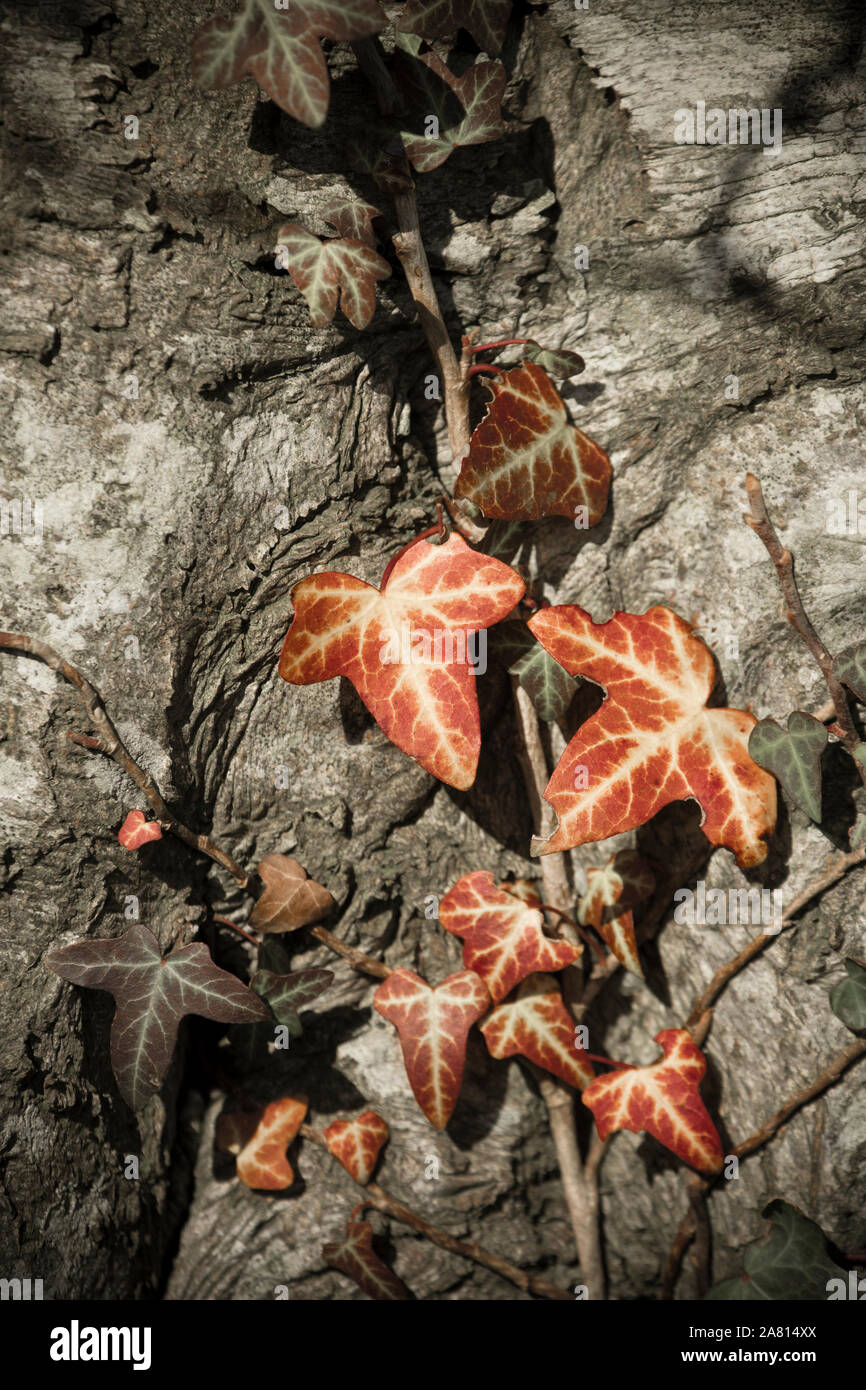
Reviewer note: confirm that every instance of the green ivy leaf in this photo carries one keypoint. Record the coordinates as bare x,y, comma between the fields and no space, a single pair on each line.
857,833
848,999
794,758
792,1266
548,685
502,539
466,108
287,994
851,670
561,362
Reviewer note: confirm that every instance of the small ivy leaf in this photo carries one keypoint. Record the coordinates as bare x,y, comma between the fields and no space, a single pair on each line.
503,938
136,831
502,539
794,758
355,1257
848,999
536,1024
407,647
260,1140
290,899
653,740
467,109
433,1025
280,48
152,995
352,218
612,891
287,994
662,1099
485,20
548,685
851,670
356,1143
792,1266
327,271
561,362
526,460
378,152
857,833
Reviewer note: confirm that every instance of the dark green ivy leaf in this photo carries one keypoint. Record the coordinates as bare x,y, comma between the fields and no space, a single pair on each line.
851,670
848,999
793,757
548,685
792,1266
287,994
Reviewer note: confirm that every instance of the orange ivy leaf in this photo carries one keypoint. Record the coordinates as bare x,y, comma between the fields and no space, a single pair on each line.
653,741
526,460
290,899
612,891
260,1140
407,647
433,1024
343,269
354,1255
536,1024
662,1099
356,1143
503,940
136,831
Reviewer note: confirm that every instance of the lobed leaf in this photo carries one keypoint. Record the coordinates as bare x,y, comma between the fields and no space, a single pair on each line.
536,1024
848,999
290,899
356,1143
355,1257
612,891
136,831
421,690
287,994
794,758
352,218
503,938
433,1024
280,48
152,995
851,670
662,1099
260,1140
485,20
792,1266
526,460
467,109
325,272
653,741
548,685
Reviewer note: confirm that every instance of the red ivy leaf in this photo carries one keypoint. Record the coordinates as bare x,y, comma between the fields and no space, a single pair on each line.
612,892
662,1099
527,461
343,269
503,940
352,218
280,49
355,1256
356,1143
430,603
260,1142
136,831
485,20
290,899
152,995
653,741
467,108
433,1025
537,1025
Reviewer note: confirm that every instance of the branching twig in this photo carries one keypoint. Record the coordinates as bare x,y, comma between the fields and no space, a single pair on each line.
111,744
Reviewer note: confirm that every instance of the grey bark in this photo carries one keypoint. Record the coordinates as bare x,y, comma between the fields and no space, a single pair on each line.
258,449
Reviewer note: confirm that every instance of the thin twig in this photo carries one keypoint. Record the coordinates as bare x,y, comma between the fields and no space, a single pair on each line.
358,959
375,1196
241,931
111,744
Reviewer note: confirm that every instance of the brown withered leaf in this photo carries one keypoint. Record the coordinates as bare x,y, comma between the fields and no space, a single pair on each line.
290,899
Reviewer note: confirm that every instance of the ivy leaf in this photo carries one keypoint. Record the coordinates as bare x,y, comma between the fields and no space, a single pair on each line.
356,1143
851,670
485,20
433,1025
560,362
407,647
612,891
794,758
352,218
503,938
467,109
260,1140
848,999
287,994
792,1266
526,460
857,833
378,152
653,741
290,899
136,831
152,995
342,269
354,1255
548,685
280,48
536,1024
662,1099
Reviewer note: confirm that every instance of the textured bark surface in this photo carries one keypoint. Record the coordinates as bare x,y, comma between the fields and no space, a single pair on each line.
197,447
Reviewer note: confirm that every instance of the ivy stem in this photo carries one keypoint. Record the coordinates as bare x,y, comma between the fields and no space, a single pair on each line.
111,744
367,964
480,367
581,931
502,342
241,931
